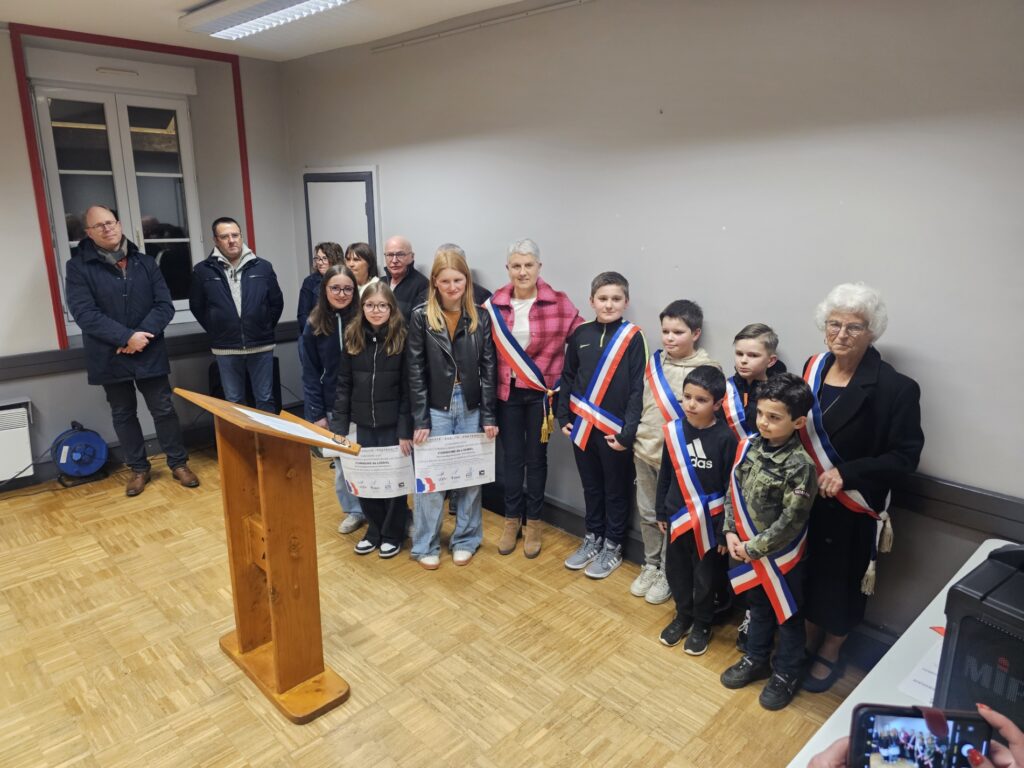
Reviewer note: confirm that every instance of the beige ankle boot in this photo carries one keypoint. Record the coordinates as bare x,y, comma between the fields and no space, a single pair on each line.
531,543
507,542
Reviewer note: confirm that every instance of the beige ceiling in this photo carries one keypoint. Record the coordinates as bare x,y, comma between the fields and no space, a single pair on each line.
360,21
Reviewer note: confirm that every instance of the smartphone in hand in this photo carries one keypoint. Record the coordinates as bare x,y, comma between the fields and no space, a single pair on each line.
884,736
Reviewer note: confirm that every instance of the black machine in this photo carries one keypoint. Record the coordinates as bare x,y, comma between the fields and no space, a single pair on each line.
983,649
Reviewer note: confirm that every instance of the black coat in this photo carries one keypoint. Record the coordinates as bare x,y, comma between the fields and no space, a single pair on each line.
211,303
309,294
409,293
109,306
320,358
875,426
371,389
431,362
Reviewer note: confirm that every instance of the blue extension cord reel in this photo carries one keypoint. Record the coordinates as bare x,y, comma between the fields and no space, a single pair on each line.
80,454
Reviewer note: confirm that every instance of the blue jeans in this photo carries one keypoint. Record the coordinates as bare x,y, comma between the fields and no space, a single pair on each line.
428,508
260,366
349,503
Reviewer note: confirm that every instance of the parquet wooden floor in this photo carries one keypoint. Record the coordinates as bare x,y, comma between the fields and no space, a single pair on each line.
111,609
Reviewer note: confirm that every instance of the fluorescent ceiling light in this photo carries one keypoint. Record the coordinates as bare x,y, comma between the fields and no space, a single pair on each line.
232,20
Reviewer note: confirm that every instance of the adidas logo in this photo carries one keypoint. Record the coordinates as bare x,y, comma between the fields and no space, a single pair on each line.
697,455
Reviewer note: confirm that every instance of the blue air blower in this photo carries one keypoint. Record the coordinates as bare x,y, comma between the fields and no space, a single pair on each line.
80,454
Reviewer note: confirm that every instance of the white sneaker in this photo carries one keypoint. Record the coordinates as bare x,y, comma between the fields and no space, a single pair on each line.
430,562
461,556
642,583
389,550
351,523
659,591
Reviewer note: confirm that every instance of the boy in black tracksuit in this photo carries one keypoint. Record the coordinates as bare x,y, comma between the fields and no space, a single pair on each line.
606,465
712,448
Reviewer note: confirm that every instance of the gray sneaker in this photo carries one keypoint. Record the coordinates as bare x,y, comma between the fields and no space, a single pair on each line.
607,560
351,523
586,552
659,592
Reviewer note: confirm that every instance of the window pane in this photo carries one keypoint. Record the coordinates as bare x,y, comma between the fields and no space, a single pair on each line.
79,135
154,140
175,261
162,201
78,193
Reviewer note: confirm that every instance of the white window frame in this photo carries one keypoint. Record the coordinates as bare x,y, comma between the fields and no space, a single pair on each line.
116,105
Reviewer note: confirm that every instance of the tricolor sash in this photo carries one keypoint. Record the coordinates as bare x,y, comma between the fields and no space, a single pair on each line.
525,369
825,457
698,507
661,389
735,412
588,408
766,572
815,438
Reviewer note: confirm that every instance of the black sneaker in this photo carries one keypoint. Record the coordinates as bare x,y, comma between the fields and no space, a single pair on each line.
778,691
674,632
364,547
697,642
744,672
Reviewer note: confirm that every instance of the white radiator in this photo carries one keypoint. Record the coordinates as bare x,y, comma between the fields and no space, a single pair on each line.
15,447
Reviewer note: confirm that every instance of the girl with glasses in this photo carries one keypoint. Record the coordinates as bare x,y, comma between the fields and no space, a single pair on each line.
372,393
320,352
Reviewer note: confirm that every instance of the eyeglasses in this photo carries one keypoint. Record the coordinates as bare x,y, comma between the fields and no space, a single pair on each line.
320,259
853,330
339,290
376,307
104,225
392,255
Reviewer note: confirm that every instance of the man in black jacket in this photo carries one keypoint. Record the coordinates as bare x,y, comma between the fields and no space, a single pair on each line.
408,285
236,298
119,299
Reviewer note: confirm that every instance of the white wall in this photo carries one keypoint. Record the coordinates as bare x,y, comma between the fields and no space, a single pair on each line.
746,155
26,314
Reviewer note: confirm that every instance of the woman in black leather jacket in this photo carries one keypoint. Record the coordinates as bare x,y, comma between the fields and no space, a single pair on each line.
451,368
371,393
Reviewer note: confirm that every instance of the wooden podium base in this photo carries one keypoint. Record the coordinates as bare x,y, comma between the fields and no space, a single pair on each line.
301,704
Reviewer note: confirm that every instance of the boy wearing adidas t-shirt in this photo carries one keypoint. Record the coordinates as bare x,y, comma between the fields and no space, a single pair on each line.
692,481
681,323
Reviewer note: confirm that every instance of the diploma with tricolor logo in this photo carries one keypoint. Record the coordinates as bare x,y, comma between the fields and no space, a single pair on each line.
378,473
453,461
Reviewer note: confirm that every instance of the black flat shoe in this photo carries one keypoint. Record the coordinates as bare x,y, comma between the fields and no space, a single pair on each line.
836,669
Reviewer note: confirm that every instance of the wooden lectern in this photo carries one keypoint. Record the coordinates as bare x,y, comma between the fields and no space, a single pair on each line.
266,485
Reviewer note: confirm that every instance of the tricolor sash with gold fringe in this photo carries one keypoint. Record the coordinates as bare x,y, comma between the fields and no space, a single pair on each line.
588,408
819,447
734,410
525,369
698,507
766,572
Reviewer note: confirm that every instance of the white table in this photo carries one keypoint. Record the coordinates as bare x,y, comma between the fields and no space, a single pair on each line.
880,686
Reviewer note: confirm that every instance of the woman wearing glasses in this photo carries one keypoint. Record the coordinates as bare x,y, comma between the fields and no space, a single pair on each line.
321,351
372,393
864,436
324,255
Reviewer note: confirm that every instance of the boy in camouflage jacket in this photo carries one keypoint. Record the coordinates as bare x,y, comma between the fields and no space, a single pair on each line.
777,481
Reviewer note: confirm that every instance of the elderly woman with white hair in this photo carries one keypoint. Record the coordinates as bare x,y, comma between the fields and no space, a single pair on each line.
530,322
864,435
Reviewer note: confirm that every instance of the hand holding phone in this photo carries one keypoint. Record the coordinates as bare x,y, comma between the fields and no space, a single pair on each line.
915,737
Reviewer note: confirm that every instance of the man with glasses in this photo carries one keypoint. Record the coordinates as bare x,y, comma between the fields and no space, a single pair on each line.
119,299
236,298
408,285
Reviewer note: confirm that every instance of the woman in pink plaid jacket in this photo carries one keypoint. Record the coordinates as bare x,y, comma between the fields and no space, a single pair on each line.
539,319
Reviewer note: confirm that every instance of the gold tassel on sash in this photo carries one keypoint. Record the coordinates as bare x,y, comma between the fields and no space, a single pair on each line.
547,423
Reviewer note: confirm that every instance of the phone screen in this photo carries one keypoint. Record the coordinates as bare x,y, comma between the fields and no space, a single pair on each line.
899,737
